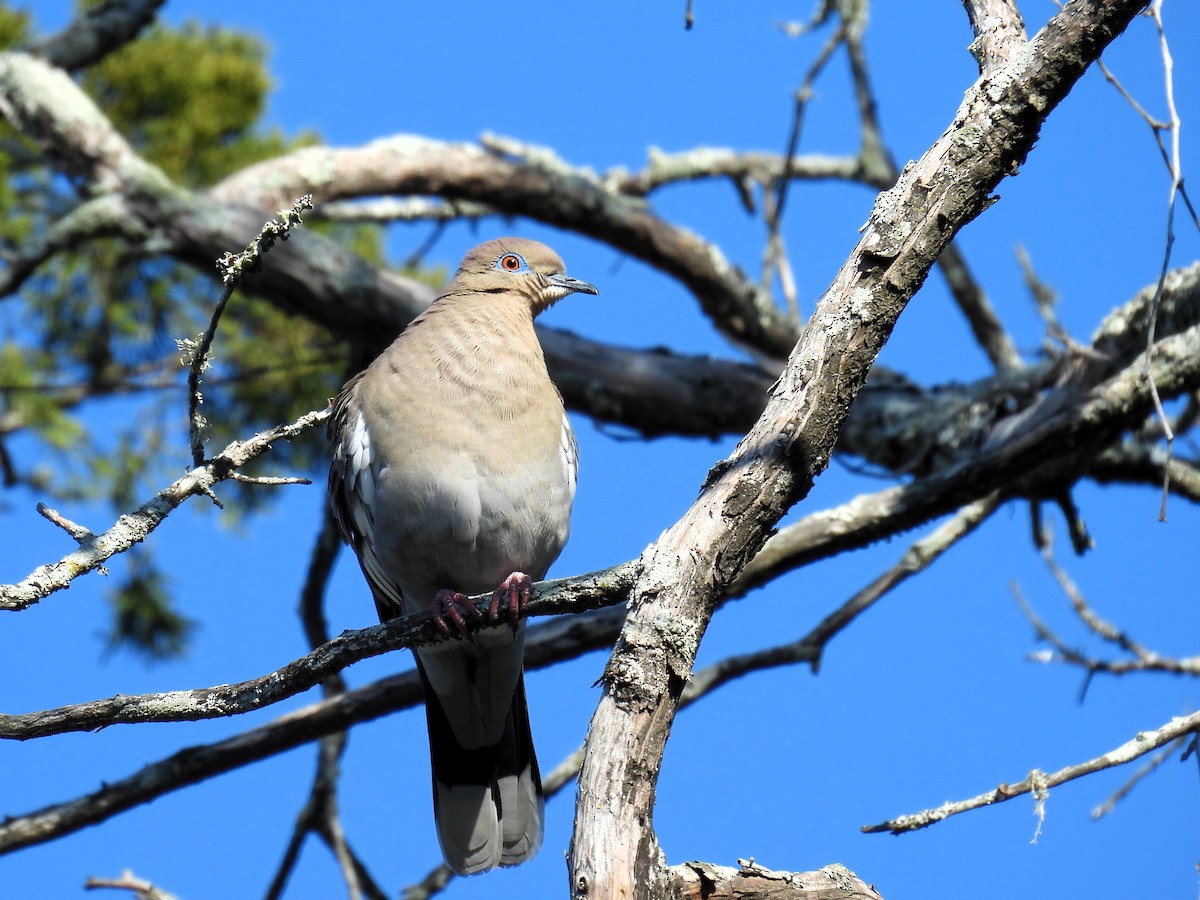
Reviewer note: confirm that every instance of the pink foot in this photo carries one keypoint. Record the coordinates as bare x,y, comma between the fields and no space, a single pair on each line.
515,589
450,605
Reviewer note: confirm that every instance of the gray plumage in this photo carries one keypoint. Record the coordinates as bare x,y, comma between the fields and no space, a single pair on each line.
453,469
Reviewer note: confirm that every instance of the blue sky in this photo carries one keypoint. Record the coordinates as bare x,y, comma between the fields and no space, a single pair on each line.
928,698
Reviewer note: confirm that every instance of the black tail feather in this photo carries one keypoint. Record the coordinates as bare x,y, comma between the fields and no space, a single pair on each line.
488,800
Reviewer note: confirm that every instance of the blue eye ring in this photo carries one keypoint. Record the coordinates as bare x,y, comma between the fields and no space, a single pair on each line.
512,262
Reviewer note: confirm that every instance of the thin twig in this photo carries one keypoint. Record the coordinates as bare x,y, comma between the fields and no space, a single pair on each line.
1045,297
1155,124
233,269
1150,766
1098,626
1142,743
83,536
774,254
1063,653
1172,160
1131,462
917,558
1157,127
142,889
1175,166
268,480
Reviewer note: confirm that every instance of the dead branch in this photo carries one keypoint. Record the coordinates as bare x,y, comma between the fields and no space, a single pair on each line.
1144,742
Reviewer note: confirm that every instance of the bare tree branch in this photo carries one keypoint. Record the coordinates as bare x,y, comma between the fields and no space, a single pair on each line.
1143,660
916,559
140,887
195,764
981,316
1009,466
1132,462
522,182
96,31
1101,628
594,591
134,527
320,816
713,882
1144,770
1144,742
105,216
702,163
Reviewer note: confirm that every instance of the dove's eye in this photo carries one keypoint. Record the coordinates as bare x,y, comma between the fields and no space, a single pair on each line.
511,262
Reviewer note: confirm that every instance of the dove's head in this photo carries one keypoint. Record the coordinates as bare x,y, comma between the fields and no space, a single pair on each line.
517,266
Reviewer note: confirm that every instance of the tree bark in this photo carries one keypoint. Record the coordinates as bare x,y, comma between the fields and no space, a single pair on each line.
705,881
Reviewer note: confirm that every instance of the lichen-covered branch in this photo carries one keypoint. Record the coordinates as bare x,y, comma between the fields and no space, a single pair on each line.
1143,742
592,591
233,268
134,527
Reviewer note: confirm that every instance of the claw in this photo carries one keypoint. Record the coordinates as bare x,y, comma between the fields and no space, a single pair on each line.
516,589
449,604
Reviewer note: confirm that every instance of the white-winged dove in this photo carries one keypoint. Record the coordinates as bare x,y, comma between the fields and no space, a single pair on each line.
453,474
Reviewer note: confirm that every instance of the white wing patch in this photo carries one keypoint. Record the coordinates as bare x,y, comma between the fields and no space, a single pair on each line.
570,456
352,487
360,478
